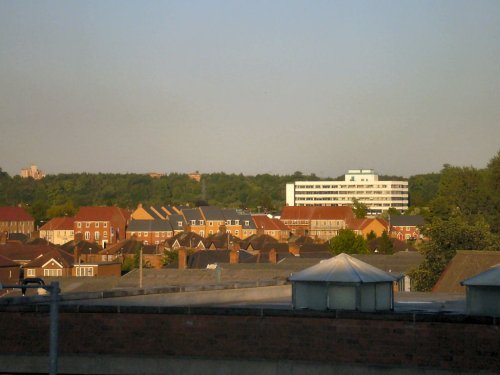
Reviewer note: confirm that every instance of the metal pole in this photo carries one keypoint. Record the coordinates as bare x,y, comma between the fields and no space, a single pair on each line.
140,269
54,317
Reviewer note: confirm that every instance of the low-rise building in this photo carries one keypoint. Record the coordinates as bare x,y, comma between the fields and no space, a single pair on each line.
58,230
16,220
405,227
104,225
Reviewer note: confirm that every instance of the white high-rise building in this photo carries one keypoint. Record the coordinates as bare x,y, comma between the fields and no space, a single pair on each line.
362,184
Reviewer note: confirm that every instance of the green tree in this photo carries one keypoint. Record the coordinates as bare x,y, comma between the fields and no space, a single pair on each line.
360,209
385,245
446,237
371,236
348,242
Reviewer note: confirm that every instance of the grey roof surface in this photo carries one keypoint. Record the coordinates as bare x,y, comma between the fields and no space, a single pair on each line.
247,217
490,277
343,269
175,220
406,220
212,213
149,226
192,214
230,214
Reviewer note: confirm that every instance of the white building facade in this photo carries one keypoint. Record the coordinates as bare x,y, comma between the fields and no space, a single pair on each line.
360,184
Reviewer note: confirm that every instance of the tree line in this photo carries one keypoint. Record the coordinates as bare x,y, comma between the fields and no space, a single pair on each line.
62,194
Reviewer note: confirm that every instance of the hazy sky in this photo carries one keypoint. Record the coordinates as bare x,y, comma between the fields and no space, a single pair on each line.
249,86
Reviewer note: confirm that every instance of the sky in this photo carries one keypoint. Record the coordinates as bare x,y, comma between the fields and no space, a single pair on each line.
249,87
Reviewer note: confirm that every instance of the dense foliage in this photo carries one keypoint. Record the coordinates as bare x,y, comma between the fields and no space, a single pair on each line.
463,215
348,242
62,194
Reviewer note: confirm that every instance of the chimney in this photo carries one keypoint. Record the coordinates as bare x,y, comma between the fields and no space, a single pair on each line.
76,255
233,257
182,258
294,249
273,256
78,237
236,246
3,238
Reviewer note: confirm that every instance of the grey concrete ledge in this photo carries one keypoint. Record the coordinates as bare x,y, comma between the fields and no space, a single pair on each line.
130,292
259,312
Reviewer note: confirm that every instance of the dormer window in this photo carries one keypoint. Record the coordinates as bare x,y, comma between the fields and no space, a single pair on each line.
228,222
247,222
193,222
179,223
236,222
202,222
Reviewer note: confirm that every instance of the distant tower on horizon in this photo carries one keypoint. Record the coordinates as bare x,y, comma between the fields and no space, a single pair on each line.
195,176
32,172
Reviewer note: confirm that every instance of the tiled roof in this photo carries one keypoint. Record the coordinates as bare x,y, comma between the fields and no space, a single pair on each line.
186,239
464,265
360,224
316,213
266,223
6,262
175,219
129,246
66,259
212,213
99,213
257,241
244,218
406,220
24,252
84,247
9,213
149,226
230,214
192,214
59,223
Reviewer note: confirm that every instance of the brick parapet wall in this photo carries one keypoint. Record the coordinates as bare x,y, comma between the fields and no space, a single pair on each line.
409,340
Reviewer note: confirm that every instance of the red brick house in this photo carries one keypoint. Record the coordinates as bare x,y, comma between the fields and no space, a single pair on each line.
319,222
55,263
104,225
16,220
271,227
405,227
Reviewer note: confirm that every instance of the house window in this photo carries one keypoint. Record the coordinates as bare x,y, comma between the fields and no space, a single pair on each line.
85,271
202,233
97,224
236,222
193,222
179,223
52,272
202,222
247,222
87,235
96,236
105,234
237,232
30,272
228,222
87,224
105,225
79,224
210,223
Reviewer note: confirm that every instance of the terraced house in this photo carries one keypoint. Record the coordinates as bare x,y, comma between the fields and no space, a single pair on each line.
16,220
